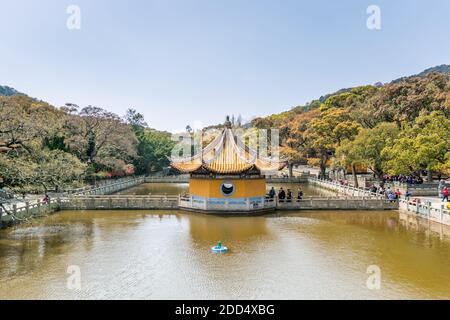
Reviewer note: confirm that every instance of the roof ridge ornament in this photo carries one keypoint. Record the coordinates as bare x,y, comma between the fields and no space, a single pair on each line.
227,123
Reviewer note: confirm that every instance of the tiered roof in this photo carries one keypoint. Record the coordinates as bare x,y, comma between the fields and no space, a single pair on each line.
225,156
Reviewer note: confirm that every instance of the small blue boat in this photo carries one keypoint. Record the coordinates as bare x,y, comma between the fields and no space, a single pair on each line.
219,248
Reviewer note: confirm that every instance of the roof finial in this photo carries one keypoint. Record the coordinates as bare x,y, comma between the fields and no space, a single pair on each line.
227,122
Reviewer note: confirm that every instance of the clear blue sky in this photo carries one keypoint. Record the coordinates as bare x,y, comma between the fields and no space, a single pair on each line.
184,61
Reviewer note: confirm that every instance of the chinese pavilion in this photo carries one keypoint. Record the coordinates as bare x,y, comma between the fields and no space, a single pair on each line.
227,176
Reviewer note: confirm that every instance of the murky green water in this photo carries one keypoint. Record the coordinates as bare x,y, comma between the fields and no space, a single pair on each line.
166,255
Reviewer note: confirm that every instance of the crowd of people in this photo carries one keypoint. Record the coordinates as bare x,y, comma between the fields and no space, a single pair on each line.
394,195
389,193
402,178
286,195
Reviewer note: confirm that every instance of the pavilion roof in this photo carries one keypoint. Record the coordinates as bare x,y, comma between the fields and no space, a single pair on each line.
225,156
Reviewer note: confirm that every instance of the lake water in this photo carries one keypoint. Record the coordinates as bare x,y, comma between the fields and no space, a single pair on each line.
166,255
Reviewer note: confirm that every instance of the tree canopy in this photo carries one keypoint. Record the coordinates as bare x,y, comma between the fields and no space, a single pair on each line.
399,127
46,148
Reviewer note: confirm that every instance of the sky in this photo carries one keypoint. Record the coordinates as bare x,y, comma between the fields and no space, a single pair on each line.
183,62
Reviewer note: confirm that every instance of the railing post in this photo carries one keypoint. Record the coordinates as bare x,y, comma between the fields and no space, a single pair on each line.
38,204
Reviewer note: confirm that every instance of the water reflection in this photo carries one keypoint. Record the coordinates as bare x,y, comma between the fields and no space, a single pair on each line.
211,228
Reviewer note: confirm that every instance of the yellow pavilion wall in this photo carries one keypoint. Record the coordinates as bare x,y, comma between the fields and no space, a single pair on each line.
244,188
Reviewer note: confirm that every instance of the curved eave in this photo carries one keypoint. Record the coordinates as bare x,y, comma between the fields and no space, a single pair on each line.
186,168
269,166
228,169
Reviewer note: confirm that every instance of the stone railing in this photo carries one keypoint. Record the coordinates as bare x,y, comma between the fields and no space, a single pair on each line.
426,210
423,189
184,178
108,188
120,202
317,203
28,210
296,179
347,190
226,204
337,203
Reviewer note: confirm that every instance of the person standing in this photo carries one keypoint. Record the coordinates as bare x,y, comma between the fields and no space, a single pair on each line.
281,194
445,194
299,195
441,187
289,195
272,193
408,195
46,199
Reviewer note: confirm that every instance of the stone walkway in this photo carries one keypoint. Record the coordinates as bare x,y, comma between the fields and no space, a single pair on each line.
435,201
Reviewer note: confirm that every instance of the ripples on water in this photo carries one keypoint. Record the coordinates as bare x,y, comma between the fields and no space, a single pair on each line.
166,255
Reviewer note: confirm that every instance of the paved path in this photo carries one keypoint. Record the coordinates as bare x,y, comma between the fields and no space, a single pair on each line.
435,201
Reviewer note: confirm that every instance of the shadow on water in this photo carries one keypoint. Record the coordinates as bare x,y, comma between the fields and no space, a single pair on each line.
210,229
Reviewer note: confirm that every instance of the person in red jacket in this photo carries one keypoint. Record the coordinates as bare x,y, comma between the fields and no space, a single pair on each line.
445,194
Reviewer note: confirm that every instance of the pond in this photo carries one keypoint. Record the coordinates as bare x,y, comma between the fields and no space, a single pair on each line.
167,255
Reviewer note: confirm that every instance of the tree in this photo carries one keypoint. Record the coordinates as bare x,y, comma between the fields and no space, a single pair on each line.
153,151
39,170
367,148
404,101
294,146
135,120
30,134
422,146
325,134
100,138
153,147
24,121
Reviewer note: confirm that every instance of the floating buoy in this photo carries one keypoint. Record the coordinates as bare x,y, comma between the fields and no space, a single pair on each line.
222,249
219,248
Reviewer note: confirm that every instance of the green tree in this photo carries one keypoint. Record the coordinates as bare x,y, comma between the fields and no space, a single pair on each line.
422,146
153,150
153,147
367,148
100,138
325,134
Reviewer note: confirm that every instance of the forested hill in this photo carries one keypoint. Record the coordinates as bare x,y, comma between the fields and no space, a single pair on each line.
399,128
47,148
7,91
443,68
